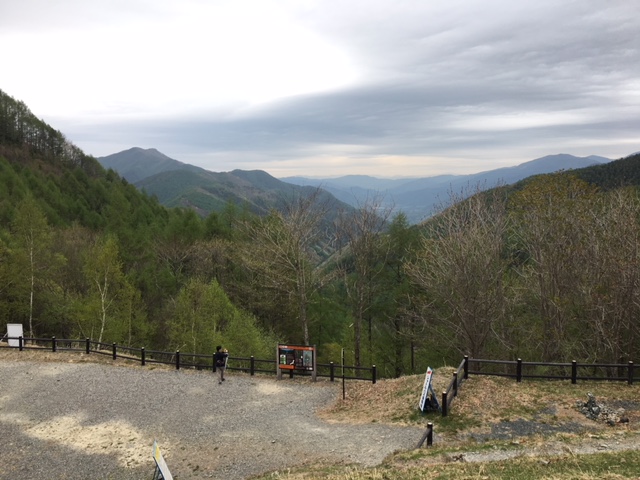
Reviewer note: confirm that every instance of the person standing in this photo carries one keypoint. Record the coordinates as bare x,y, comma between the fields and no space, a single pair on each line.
221,357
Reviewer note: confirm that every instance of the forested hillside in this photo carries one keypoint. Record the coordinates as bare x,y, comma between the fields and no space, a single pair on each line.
84,253
548,269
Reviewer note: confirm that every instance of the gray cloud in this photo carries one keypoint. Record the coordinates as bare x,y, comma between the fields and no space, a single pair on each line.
480,80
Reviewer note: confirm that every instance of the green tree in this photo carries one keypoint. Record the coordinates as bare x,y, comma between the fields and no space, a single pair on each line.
401,311
201,310
108,292
362,264
32,254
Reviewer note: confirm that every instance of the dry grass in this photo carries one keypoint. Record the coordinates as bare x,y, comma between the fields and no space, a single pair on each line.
387,401
482,401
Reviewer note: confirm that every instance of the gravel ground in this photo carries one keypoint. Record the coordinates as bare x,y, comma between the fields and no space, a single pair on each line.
86,420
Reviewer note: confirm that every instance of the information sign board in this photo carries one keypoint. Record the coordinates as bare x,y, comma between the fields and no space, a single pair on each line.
297,357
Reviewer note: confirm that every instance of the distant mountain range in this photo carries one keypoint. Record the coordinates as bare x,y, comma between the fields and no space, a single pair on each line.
179,184
419,198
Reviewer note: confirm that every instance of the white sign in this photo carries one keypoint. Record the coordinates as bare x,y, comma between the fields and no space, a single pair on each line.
162,465
425,389
14,332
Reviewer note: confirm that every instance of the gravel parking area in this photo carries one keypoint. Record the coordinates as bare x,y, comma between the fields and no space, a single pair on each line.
85,420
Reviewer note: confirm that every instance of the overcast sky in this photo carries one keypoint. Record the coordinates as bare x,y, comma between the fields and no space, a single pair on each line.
331,87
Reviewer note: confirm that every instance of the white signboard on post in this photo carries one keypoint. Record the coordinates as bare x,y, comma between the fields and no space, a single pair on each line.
425,389
14,332
161,465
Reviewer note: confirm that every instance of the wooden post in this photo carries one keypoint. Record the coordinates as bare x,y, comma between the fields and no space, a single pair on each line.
252,369
114,353
428,436
87,346
455,384
53,344
177,359
444,403
344,392
373,374
143,359
466,367
630,373
519,371
20,343
574,372
331,371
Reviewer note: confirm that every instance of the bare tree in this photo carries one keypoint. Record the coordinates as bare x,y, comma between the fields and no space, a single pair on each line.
461,267
282,251
611,281
553,217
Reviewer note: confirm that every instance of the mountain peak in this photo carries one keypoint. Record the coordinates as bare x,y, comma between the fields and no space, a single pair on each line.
137,163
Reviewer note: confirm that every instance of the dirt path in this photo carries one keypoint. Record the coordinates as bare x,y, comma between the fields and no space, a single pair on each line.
82,420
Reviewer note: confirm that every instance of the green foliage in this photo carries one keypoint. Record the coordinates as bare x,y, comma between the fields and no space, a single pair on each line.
204,317
111,309
243,336
201,311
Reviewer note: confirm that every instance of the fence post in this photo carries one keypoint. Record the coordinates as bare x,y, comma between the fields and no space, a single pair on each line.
114,351
253,365
574,372
455,384
20,343
213,362
331,372
177,359
53,344
373,374
428,436
87,346
143,360
630,373
519,371
466,367
444,403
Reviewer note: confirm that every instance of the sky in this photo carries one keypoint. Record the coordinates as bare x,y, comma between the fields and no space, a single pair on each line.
387,88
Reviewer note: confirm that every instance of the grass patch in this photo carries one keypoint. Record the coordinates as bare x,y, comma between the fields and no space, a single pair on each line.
611,466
